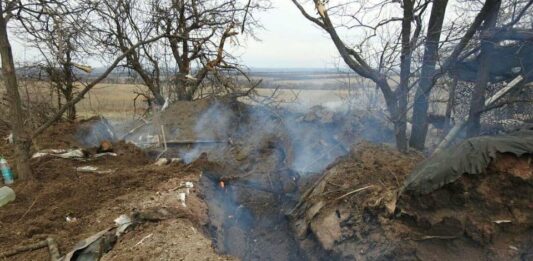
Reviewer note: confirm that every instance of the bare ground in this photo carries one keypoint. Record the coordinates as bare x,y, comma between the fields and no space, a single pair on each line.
95,200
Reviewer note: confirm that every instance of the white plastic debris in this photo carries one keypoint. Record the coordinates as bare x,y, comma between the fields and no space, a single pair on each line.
9,138
122,223
92,169
48,152
174,160
161,162
181,197
87,169
65,154
71,219
165,105
99,155
6,195
188,185
502,221
77,153
190,77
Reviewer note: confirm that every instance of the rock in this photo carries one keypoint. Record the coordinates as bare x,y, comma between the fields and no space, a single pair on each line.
327,230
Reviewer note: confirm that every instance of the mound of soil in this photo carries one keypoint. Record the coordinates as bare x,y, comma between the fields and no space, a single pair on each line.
493,210
346,210
354,211
93,200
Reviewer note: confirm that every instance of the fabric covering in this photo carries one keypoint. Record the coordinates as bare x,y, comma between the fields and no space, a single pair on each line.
471,157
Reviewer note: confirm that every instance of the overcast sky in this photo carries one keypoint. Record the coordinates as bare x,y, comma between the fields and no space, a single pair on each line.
288,40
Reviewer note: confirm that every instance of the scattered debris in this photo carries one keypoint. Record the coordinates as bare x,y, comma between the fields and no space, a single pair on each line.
77,154
110,154
93,247
71,219
181,197
93,169
9,138
61,153
6,195
7,174
48,242
502,221
122,223
162,161
166,161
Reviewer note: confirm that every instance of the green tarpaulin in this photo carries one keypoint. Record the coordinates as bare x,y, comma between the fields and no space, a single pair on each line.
471,157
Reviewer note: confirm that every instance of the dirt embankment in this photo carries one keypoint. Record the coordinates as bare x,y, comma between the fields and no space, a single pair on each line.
261,192
91,201
354,211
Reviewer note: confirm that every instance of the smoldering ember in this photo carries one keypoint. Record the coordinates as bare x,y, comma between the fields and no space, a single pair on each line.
266,130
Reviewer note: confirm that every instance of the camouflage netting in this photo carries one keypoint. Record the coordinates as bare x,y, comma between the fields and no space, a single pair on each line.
354,209
472,156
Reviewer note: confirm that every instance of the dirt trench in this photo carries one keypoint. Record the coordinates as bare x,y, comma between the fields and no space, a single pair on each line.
247,215
250,222
254,175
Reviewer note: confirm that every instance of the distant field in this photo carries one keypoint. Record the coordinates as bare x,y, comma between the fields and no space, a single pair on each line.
297,90
116,100
111,100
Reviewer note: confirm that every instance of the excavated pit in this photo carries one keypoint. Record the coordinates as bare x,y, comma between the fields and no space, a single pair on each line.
249,223
247,215
253,176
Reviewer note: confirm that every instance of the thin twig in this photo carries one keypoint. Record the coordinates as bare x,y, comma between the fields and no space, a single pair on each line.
27,211
144,238
435,237
354,191
49,242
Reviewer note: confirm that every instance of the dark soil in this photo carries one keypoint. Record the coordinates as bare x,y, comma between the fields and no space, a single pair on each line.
353,210
271,192
58,191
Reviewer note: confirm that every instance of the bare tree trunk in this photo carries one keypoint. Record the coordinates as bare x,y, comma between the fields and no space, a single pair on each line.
69,83
449,106
21,138
421,103
71,111
400,121
477,102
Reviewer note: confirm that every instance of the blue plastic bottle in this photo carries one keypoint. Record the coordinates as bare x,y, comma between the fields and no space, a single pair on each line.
7,174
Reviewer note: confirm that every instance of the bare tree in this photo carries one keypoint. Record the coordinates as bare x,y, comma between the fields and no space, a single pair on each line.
21,137
61,36
477,102
399,38
466,47
421,102
206,27
197,35
396,98
126,22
